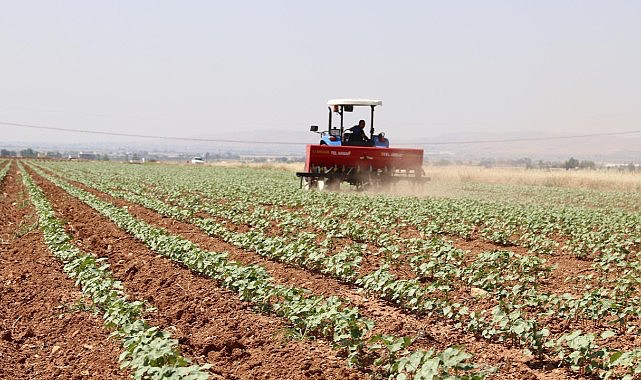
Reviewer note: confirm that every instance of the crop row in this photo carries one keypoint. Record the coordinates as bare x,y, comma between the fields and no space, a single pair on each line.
303,250
4,170
615,283
310,315
150,352
506,320
506,275
555,195
490,270
541,228
392,248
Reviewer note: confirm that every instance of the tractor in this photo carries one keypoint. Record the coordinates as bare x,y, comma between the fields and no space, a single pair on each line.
351,156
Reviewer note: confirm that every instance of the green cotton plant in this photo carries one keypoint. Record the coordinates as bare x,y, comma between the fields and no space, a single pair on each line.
436,260
279,248
341,265
394,349
534,224
251,282
254,205
580,352
344,264
407,293
583,354
624,365
149,352
494,269
519,330
309,315
4,170
441,215
451,363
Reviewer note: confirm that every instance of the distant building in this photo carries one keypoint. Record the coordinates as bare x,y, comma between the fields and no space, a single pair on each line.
87,156
135,159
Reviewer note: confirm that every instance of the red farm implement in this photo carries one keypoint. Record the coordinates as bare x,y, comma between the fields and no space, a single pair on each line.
353,156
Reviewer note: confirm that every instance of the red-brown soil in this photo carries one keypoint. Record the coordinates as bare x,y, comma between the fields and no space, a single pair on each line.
43,335
87,227
566,265
212,325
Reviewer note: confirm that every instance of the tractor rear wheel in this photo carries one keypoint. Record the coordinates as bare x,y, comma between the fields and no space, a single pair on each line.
310,183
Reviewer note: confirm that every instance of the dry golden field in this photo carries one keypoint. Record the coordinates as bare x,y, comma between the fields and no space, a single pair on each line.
585,179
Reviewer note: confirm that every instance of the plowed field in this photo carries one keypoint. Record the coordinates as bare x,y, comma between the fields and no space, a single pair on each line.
111,270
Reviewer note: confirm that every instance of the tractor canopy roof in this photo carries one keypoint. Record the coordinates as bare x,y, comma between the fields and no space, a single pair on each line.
354,102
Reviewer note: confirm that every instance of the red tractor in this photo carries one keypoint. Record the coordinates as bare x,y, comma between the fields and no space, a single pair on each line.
352,155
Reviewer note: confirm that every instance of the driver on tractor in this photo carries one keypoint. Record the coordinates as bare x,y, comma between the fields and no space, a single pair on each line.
358,133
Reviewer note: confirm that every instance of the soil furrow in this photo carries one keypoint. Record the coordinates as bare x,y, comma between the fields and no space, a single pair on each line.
432,332
566,264
44,332
211,324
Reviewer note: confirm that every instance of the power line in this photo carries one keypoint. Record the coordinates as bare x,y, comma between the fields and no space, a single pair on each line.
42,127
137,117
149,136
529,138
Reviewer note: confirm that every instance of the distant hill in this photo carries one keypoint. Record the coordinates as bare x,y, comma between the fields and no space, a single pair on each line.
621,149
602,148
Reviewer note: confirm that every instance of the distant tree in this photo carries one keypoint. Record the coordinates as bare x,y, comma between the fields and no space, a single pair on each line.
631,167
572,163
231,156
488,162
525,161
7,153
28,153
587,164
104,157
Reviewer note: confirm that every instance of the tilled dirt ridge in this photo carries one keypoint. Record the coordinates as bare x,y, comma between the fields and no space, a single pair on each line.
434,332
44,332
212,325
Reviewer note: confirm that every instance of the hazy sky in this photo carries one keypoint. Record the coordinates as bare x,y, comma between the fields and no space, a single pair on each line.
192,68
